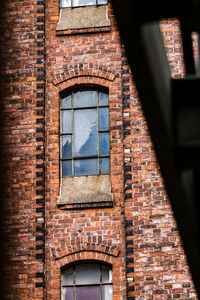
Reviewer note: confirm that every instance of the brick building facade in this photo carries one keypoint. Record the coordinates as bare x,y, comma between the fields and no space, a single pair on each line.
130,228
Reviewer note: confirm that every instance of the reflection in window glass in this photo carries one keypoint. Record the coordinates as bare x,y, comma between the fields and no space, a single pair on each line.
65,3
104,143
104,166
103,99
66,121
85,132
67,168
83,2
85,99
85,293
67,146
102,1
87,272
107,292
68,293
68,276
87,282
85,167
103,118
106,274
66,102
85,142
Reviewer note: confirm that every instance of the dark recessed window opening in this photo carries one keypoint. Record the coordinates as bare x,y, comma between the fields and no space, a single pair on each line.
76,3
87,282
85,142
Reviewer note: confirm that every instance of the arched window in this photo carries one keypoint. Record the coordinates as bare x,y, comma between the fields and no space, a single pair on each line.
85,143
90,281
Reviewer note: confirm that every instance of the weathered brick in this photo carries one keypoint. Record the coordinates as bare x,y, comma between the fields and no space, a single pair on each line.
81,231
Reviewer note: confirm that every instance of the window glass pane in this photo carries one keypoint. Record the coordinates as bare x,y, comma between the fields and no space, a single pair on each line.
104,118
68,293
87,274
103,98
83,2
67,277
65,3
88,293
102,1
104,165
85,99
104,142
66,121
66,102
85,167
107,292
67,168
85,132
66,146
106,274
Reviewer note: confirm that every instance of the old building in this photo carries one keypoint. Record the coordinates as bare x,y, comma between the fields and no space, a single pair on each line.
86,213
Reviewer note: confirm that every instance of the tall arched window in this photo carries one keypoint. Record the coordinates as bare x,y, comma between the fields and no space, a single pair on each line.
90,281
85,143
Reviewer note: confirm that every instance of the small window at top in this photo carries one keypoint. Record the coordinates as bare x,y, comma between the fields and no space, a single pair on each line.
77,3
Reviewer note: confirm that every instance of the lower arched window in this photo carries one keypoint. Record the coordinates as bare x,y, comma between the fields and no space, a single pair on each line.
89,281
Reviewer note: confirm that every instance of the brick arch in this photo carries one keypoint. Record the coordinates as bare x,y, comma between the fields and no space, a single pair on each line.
83,74
88,251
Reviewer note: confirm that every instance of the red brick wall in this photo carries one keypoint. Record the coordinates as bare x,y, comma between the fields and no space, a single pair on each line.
152,256
83,59
19,135
138,235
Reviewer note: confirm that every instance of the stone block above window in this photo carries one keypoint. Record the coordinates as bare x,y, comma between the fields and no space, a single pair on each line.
83,17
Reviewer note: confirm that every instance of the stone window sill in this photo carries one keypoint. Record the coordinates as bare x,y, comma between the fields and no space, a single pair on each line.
85,192
83,19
